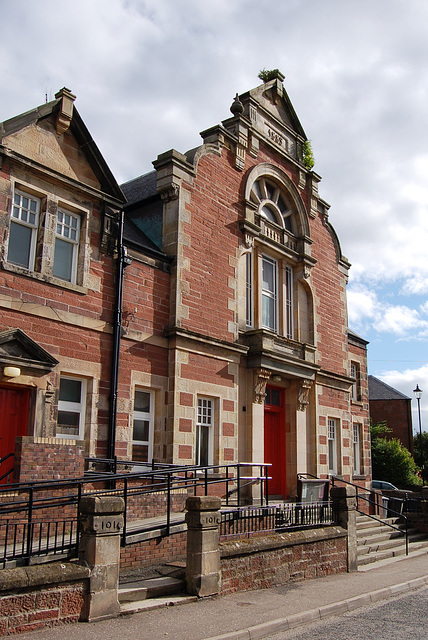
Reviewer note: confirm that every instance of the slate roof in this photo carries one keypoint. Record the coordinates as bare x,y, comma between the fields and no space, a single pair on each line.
378,390
140,188
356,337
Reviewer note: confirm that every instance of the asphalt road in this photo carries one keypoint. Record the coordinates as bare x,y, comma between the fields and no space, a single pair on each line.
400,618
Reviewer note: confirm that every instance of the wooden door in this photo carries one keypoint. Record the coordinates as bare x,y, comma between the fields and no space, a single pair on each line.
13,417
274,441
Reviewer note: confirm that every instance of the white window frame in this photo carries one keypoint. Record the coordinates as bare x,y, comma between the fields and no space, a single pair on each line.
78,408
288,302
249,290
204,420
148,416
17,220
270,295
66,232
356,445
355,390
332,427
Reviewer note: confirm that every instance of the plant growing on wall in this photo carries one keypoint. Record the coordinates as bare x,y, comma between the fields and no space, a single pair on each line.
268,74
308,156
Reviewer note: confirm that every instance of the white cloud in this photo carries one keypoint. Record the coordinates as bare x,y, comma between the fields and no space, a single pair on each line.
366,311
150,74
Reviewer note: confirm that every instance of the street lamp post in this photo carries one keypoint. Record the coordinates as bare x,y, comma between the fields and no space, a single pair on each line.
418,395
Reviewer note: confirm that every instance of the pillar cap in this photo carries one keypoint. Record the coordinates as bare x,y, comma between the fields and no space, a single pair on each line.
203,503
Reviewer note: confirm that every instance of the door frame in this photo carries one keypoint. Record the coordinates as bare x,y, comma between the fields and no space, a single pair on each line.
279,470
25,413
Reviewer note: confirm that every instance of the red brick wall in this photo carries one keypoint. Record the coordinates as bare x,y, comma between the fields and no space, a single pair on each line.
41,608
397,416
261,568
211,370
155,551
44,461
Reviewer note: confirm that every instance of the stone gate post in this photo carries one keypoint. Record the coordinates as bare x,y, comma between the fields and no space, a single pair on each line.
203,576
99,549
344,505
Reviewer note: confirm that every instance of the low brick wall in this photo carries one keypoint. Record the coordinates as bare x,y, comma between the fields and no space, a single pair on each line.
41,596
273,560
48,459
154,551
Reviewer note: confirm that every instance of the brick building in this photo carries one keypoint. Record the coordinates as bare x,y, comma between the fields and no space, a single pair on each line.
388,405
223,318
58,205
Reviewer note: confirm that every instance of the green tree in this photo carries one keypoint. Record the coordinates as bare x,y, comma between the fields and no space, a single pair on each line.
421,453
391,461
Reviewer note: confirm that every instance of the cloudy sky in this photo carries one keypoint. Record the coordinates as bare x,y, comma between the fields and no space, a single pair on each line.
149,75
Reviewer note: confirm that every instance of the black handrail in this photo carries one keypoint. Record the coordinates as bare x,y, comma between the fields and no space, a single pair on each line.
6,474
369,501
31,498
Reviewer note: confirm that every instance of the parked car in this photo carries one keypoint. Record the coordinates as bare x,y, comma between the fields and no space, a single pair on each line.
383,485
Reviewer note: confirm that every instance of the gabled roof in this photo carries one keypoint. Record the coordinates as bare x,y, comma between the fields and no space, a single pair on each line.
273,97
67,117
379,390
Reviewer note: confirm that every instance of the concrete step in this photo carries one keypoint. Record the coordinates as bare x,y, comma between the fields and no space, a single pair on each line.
378,533
377,542
380,546
381,555
155,603
150,588
365,522
152,593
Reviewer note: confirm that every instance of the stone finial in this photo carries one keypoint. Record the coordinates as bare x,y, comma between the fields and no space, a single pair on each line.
65,113
237,108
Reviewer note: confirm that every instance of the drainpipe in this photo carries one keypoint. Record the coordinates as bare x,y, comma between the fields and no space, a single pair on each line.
122,262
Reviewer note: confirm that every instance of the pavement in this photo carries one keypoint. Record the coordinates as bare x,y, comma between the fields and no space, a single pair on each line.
252,615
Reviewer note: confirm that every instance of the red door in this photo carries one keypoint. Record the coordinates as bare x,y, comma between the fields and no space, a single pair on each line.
274,441
13,417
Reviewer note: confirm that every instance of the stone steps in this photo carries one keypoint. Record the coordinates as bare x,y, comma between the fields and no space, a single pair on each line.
376,541
139,592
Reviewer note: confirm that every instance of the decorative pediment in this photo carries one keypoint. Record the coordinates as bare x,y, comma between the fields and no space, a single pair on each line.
18,349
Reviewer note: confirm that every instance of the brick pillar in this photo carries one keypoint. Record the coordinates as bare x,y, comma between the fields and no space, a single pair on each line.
203,577
344,505
99,549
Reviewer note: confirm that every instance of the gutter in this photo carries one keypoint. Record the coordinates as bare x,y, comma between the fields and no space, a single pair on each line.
122,262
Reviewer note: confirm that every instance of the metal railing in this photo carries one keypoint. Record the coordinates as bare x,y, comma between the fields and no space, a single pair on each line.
20,541
6,475
360,497
31,513
277,518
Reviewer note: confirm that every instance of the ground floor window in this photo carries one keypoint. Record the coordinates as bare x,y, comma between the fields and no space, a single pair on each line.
332,445
356,440
71,408
204,432
142,433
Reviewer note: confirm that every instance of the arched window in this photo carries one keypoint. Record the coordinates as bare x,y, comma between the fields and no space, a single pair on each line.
272,203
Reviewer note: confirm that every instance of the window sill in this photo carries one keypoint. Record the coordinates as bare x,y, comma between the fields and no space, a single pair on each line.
48,279
357,403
